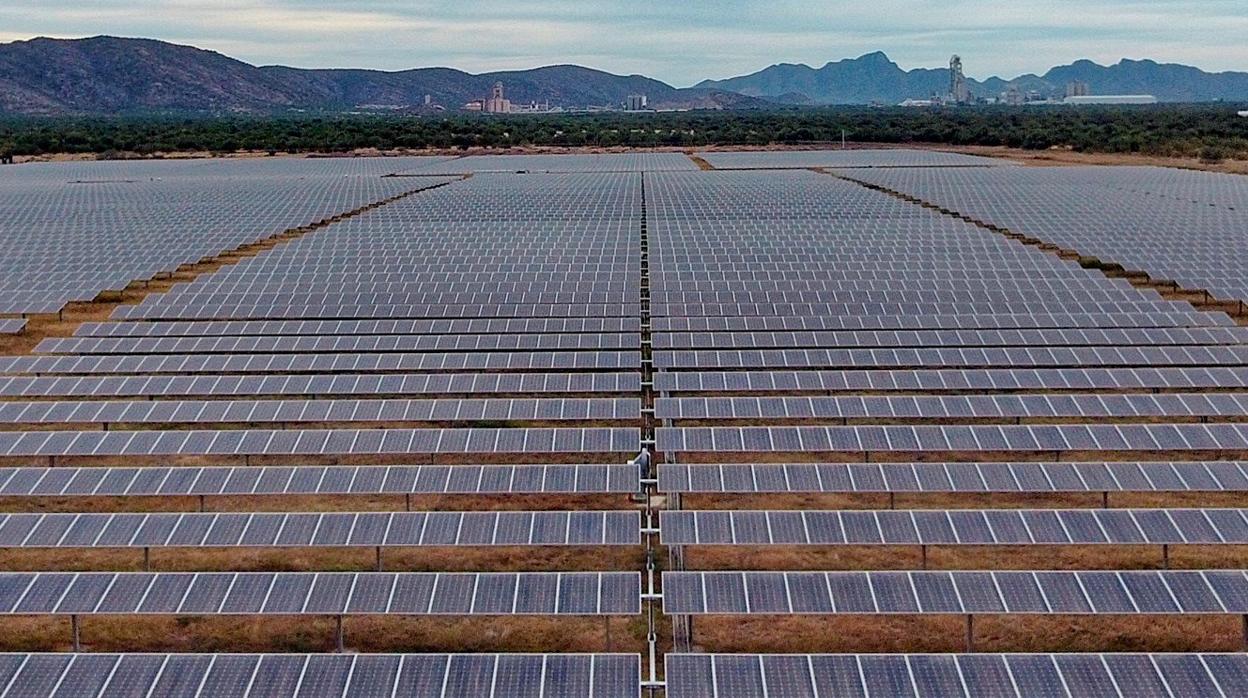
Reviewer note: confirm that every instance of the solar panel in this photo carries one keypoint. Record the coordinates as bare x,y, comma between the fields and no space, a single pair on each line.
302,344
320,385
293,442
978,380
931,407
958,592
326,593
866,158
1114,476
1114,337
321,529
432,675
953,675
1176,226
973,438
321,363
12,325
1091,356
245,328
315,411
954,527
318,479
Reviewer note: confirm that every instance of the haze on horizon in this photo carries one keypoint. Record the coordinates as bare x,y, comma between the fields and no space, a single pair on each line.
679,43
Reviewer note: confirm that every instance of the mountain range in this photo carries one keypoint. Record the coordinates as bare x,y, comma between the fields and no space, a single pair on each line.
110,75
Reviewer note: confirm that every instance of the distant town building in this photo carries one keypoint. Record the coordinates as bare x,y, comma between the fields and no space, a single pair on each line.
1077,88
428,100
918,103
959,91
1243,114
1111,99
497,103
636,103
1013,96
475,105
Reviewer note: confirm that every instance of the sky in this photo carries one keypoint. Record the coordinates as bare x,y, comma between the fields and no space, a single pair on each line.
677,41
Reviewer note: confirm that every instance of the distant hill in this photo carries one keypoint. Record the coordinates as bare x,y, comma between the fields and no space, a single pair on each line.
106,75
875,78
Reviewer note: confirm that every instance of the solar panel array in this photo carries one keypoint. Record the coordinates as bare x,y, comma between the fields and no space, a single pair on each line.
482,338
865,158
587,162
802,322
1176,225
69,233
515,333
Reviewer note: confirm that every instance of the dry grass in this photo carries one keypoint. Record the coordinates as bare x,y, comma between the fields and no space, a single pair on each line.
316,634
941,633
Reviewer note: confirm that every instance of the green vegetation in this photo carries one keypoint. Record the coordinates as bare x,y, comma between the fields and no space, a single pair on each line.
1206,131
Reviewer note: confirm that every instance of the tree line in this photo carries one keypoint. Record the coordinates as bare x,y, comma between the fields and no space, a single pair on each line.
1210,131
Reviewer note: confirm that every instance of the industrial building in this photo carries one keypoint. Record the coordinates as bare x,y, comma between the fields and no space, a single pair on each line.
1110,99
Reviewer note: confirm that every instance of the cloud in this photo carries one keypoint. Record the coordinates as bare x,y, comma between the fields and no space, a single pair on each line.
680,42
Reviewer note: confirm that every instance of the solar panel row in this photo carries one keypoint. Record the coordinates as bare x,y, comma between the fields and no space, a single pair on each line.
295,442
322,363
66,675
1224,405
1114,476
255,411
955,675
957,592
244,328
955,527
336,593
316,529
978,380
320,385
952,338
340,343
953,358
1062,438
318,479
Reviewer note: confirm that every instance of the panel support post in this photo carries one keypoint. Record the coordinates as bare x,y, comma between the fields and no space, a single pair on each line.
147,559
1105,499
970,633
407,502
923,555
75,630
203,506
378,567
892,500
1165,556
339,647
1245,617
